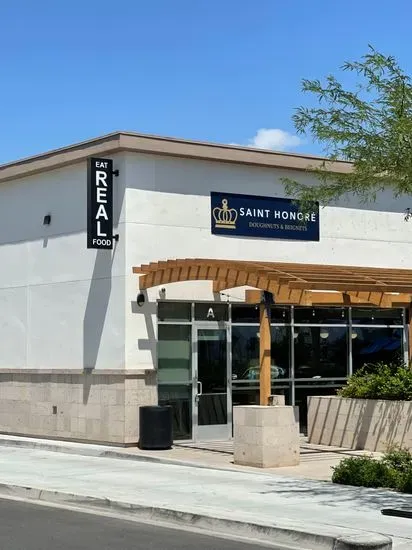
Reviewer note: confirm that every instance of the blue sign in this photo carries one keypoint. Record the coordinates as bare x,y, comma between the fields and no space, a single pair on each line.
262,217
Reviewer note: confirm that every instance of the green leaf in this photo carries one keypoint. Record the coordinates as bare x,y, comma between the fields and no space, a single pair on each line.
369,126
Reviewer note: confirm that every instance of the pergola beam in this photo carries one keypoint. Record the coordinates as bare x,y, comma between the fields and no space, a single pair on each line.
309,298
290,283
349,286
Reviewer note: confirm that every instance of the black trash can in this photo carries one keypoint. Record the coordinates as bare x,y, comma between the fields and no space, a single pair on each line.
155,428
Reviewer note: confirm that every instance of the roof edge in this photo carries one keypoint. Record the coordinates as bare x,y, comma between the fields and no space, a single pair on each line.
166,146
59,158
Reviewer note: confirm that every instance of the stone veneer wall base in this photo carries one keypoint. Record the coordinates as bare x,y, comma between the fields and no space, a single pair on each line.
366,424
92,406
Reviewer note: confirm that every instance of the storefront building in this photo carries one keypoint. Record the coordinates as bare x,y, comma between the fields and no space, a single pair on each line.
165,314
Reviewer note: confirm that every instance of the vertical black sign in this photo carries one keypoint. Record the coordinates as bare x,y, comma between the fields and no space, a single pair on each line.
100,203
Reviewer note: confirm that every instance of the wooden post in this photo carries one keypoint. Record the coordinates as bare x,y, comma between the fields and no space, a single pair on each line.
265,356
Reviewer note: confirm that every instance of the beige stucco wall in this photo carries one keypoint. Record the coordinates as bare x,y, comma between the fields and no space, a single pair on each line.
359,423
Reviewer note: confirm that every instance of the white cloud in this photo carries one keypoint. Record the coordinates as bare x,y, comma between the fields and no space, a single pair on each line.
273,139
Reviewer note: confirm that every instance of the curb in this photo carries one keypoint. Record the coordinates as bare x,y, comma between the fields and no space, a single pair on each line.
283,534
95,451
91,450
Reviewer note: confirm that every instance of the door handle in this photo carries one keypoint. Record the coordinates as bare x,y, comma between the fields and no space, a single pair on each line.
199,389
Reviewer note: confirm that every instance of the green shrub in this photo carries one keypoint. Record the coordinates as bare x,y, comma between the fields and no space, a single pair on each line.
404,482
398,459
394,471
391,381
363,471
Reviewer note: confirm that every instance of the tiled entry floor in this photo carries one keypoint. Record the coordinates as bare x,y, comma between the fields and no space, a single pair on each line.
225,447
308,451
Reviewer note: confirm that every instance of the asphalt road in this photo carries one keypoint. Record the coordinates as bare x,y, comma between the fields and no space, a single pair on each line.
36,527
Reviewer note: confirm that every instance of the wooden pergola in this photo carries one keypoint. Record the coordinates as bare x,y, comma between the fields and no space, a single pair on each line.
289,284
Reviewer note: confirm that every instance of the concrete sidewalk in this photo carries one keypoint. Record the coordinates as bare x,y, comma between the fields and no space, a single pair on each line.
316,460
315,508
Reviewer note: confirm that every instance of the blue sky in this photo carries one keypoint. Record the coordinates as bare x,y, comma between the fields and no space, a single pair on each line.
214,70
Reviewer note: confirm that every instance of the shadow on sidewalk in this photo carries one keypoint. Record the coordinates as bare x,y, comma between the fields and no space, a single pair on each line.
336,495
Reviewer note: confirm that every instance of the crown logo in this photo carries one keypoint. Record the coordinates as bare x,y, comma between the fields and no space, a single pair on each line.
225,217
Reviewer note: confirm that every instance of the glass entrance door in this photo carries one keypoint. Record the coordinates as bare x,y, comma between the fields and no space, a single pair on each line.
213,407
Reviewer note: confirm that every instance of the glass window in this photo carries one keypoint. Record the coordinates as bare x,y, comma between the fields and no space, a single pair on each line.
251,314
174,311
375,316
280,352
245,393
180,399
373,345
280,314
320,352
245,353
245,314
174,353
211,312
321,315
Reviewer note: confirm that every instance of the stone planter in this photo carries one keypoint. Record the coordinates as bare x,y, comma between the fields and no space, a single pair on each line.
359,423
265,437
